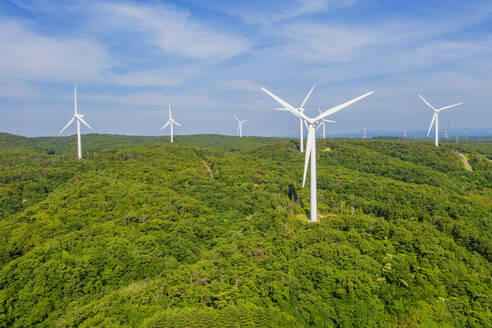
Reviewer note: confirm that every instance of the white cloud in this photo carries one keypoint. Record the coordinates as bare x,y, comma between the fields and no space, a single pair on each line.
440,51
397,59
18,89
279,11
239,85
159,99
171,30
322,42
26,55
164,77
390,39
49,7
158,47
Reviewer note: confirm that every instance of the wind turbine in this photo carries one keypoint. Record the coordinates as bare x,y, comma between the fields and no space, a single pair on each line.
301,109
240,126
311,140
435,117
79,118
171,122
323,123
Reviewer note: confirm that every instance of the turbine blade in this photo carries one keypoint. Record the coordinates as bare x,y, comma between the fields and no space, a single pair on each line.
237,119
66,126
342,106
307,96
450,106
329,121
170,116
309,147
244,121
432,122
426,102
165,125
75,99
320,110
284,109
82,120
287,106
172,120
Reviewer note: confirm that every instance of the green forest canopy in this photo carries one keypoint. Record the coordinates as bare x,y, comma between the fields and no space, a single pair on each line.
212,232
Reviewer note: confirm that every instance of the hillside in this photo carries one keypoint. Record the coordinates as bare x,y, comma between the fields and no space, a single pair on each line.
212,232
97,142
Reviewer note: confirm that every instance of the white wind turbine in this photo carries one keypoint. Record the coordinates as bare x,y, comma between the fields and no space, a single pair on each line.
301,109
311,141
171,122
79,118
323,123
240,126
435,117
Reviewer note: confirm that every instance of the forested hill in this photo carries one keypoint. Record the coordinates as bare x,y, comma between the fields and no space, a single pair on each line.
97,142
212,232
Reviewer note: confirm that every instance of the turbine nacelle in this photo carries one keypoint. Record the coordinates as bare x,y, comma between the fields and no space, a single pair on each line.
301,109
323,121
76,116
240,125
437,110
239,121
80,119
324,114
311,124
435,117
170,123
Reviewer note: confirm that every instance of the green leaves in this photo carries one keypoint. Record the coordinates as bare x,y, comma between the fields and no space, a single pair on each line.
148,235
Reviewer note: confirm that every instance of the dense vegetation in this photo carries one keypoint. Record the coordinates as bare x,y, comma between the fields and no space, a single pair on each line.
212,232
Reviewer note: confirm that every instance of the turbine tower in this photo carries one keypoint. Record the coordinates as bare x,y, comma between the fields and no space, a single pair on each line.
240,126
171,122
323,123
79,118
404,133
435,117
311,141
301,109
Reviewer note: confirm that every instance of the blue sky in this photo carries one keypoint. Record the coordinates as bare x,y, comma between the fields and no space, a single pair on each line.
130,59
